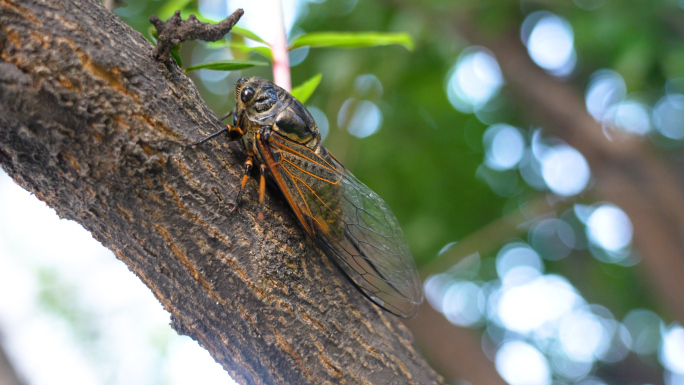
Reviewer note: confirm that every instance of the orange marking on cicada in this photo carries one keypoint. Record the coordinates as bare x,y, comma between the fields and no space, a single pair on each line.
312,175
245,177
308,209
262,191
321,224
262,183
248,167
271,163
234,132
313,192
326,166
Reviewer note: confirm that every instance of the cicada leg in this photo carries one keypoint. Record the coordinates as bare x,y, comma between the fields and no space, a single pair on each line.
234,133
249,163
262,191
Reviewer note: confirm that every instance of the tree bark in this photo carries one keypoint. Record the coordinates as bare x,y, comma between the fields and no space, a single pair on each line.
454,351
95,127
8,376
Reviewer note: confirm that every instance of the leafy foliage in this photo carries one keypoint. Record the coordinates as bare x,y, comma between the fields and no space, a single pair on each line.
352,40
304,90
225,65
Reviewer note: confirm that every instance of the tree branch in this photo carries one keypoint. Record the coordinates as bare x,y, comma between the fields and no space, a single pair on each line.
96,128
175,31
455,352
8,376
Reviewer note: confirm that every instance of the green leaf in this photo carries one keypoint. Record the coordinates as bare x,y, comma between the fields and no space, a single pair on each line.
261,50
195,11
247,34
175,53
170,7
153,35
304,90
352,40
225,65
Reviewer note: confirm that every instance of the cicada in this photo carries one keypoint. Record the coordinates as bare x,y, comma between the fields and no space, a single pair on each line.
348,221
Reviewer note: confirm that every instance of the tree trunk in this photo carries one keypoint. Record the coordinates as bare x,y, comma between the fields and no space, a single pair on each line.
96,128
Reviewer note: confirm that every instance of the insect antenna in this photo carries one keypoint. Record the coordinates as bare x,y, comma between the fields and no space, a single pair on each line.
212,136
226,116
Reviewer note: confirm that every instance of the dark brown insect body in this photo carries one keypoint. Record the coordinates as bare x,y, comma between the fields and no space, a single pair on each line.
347,220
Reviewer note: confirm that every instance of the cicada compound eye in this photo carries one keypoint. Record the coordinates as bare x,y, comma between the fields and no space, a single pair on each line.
247,94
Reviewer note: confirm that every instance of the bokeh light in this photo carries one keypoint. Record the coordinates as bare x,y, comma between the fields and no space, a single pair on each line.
609,228
520,363
550,42
644,329
517,254
553,238
668,116
583,336
606,88
629,116
672,349
368,86
531,171
463,303
528,301
435,286
504,146
474,80
565,170
361,118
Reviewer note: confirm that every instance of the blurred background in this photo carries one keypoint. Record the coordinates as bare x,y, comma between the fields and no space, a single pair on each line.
532,151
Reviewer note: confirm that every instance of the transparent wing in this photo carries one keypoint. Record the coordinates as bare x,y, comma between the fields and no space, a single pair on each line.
349,222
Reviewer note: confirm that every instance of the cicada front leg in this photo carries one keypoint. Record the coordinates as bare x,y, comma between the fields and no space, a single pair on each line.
249,163
233,133
262,191
262,185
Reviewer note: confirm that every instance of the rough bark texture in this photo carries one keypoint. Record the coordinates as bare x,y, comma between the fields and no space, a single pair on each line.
175,31
95,127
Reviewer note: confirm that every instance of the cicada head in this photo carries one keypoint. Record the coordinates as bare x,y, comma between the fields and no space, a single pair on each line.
267,104
258,97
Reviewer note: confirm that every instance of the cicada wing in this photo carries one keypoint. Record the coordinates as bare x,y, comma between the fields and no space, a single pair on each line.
373,252
350,223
